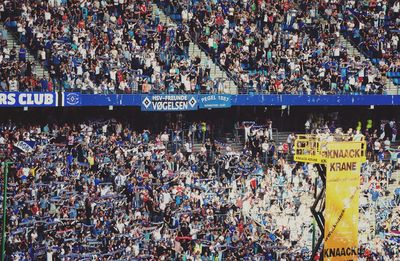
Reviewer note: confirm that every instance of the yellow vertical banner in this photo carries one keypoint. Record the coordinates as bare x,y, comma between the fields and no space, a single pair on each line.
342,199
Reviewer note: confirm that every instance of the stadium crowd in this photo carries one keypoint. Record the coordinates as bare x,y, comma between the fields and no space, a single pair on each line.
103,47
16,73
265,46
280,46
373,26
103,191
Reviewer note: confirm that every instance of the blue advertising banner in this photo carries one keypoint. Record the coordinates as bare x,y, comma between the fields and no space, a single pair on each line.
314,100
28,99
169,102
214,101
77,99
172,102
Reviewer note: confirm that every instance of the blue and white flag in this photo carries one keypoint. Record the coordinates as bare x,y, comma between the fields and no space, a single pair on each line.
26,146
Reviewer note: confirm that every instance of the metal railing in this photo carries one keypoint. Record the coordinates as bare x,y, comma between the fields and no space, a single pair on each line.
315,149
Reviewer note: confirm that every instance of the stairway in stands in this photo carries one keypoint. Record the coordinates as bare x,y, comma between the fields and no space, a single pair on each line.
234,146
195,51
37,68
390,87
278,137
215,70
228,140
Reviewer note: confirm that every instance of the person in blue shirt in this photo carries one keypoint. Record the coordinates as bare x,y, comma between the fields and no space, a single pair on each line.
44,84
397,195
22,54
381,155
145,136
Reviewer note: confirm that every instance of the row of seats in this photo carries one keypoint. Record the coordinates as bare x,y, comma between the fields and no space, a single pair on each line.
395,76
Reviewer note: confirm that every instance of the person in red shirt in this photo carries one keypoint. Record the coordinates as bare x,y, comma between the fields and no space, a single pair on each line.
143,10
240,227
35,209
219,20
81,24
120,21
120,75
277,86
160,28
286,6
50,86
285,149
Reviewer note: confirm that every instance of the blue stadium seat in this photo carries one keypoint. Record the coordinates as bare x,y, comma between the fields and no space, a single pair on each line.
375,61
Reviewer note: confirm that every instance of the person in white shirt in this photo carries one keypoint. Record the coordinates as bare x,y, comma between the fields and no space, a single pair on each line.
377,147
13,85
396,8
164,138
49,254
247,127
307,126
265,150
358,136
386,143
188,149
290,140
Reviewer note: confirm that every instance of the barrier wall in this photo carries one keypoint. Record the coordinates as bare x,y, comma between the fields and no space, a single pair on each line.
168,102
186,102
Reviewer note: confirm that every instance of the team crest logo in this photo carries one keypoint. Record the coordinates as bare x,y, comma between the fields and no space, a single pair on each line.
72,98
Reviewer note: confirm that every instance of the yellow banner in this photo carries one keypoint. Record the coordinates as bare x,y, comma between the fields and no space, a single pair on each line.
341,207
353,151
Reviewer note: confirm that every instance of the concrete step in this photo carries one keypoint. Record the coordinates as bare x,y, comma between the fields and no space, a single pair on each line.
234,146
231,87
195,51
392,89
12,42
353,51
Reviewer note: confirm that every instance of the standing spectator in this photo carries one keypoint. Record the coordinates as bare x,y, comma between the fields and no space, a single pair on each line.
22,54
290,140
307,126
44,84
